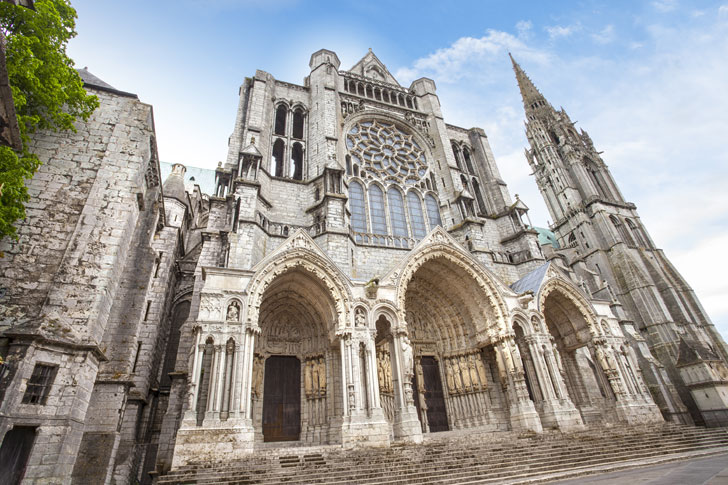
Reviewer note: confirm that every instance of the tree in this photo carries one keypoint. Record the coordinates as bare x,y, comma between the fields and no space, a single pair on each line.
47,92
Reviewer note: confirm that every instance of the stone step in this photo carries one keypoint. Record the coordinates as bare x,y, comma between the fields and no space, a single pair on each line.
454,459
545,453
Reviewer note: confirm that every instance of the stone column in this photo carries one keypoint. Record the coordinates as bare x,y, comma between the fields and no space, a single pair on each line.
523,412
194,381
247,385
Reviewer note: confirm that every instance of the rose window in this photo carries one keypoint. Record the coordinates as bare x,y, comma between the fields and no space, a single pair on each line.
384,151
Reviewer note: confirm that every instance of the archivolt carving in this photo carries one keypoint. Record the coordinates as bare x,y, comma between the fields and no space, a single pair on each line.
306,260
451,254
583,305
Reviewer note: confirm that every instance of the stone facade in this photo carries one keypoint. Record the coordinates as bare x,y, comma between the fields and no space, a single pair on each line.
358,275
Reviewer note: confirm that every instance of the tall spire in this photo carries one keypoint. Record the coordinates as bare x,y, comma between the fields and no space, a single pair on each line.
529,93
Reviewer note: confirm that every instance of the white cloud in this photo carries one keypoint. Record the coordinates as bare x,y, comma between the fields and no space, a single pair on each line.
604,36
523,27
659,116
665,5
723,10
557,31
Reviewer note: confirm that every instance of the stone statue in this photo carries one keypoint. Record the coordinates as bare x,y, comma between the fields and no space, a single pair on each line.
407,360
360,319
463,366
480,367
258,364
473,373
380,371
308,378
321,363
420,378
602,358
388,372
233,313
456,376
449,377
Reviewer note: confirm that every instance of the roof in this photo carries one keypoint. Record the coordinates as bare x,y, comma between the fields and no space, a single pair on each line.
691,352
532,281
204,177
546,236
91,80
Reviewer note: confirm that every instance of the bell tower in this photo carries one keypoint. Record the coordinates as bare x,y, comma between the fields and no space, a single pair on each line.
603,238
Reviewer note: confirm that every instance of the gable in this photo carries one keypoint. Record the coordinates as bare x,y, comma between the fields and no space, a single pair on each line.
371,67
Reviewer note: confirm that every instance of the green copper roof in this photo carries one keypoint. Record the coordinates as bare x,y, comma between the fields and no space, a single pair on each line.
547,237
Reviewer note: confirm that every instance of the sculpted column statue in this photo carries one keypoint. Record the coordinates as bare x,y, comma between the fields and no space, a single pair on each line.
464,372
322,375
308,378
482,375
473,373
449,377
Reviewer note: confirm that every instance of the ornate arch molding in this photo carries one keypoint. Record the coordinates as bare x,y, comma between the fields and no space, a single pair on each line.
486,284
570,292
312,263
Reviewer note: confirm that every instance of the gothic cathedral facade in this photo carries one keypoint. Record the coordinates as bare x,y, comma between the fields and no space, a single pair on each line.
359,275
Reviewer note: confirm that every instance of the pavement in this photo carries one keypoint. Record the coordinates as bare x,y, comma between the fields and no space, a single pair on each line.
712,470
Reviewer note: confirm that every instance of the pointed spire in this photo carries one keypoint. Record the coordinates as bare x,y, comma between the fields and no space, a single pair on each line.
529,93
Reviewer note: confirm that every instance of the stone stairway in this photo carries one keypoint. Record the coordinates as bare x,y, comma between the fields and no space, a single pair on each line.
457,458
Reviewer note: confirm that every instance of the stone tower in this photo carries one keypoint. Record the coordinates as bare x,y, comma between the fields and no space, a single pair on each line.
604,240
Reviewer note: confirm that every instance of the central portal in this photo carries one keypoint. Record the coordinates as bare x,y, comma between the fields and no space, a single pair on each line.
434,399
282,399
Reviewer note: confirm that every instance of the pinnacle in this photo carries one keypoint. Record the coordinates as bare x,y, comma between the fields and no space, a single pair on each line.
529,93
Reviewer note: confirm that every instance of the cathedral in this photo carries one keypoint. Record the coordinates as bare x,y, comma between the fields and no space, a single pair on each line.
355,273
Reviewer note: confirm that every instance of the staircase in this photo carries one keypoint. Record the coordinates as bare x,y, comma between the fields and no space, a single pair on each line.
458,458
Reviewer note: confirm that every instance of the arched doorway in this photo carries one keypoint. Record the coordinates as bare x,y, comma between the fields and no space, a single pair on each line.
586,382
294,362
454,384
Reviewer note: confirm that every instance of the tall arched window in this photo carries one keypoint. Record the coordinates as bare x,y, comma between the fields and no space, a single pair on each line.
280,125
396,213
468,162
298,124
348,165
456,152
479,197
357,206
466,185
297,161
417,219
376,210
277,163
433,211
623,234
636,233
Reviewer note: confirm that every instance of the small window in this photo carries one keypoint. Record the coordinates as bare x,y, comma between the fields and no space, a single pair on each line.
39,384
280,123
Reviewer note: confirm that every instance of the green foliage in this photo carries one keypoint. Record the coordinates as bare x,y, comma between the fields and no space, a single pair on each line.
47,91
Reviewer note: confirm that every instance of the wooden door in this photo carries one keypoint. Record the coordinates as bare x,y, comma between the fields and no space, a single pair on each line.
434,398
14,453
282,399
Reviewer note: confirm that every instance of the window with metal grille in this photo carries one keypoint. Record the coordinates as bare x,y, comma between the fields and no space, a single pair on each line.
39,384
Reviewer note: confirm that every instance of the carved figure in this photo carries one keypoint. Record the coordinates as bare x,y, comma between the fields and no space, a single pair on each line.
456,376
380,370
233,313
463,366
360,319
602,358
258,364
449,377
388,372
482,375
322,375
420,379
406,356
473,373
308,378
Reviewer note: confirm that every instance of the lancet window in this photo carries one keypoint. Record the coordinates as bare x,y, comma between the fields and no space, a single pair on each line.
288,142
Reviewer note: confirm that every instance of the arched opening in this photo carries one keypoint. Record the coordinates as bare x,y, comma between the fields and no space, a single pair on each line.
294,360
376,210
298,124
297,161
586,382
396,213
433,211
179,317
279,149
468,161
280,123
479,197
453,378
456,153
417,219
624,235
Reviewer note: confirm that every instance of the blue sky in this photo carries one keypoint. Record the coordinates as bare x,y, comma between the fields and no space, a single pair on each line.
648,80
